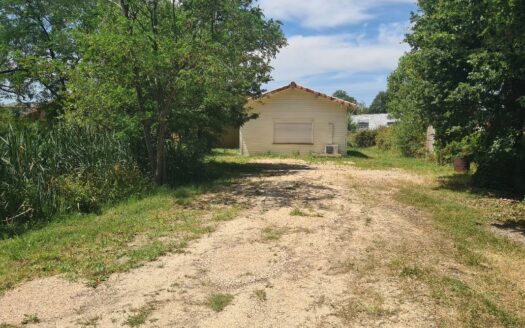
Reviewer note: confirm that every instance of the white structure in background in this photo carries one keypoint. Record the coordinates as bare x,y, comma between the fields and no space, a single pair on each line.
372,121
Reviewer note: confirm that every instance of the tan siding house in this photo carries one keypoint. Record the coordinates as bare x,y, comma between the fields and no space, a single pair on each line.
295,119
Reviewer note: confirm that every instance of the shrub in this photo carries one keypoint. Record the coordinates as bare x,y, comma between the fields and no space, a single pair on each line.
385,138
44,172
409,137
365,138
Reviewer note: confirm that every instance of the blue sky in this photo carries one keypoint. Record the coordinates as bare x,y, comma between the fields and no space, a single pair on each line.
339,44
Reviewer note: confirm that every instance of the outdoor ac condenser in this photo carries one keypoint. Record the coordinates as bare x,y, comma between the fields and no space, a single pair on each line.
331,149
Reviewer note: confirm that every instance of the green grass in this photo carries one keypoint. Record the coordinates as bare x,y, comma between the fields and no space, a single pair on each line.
217,302
366,158
297,212
141,315
374,158
260,294
94,246
270,233
488,298
466,224
30,318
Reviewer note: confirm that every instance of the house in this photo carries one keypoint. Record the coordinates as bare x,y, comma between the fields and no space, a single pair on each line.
295,119
372,121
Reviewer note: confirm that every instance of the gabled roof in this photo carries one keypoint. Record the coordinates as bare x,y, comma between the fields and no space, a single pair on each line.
294,85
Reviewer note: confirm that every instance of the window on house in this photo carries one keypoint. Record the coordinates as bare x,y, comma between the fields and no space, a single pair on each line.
363,125
293,133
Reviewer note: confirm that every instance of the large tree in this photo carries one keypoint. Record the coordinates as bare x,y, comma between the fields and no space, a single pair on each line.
37,47
342,94
178,71
467,61
378,105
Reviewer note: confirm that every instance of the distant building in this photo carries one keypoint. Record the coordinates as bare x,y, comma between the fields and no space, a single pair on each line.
372,121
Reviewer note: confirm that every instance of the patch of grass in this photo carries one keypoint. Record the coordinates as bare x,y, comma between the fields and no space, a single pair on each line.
411,271
374,158
297,212
270,233
217,302
140,315
7,325
486,298
226,214
369,304
30,318
90,322
465,224
260,294
95,246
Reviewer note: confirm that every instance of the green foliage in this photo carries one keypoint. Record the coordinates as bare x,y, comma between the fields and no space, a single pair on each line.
341,94
365,138
48,171
217,302
466,76
378,105
404,91
174,74
385,138
37,46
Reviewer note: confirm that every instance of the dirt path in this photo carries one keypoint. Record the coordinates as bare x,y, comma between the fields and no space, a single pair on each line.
315,249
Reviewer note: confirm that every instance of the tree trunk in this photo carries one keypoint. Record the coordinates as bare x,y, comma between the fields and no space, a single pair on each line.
160,168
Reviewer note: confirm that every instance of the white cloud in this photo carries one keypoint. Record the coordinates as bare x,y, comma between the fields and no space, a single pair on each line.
324,13
341,54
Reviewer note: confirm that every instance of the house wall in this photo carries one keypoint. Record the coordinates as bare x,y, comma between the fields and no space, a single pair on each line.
294,105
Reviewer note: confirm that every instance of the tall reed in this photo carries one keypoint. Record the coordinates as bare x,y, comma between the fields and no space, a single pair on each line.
45,171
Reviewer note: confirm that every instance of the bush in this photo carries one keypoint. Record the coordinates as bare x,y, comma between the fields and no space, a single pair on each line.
44,172
385,138
409,137
365,138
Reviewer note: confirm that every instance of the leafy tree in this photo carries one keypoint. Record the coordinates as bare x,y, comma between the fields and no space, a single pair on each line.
173,73
378,104
467,68
404,90
37,47
341,94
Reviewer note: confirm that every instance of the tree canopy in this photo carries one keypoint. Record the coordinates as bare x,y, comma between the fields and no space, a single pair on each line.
378,105
465,75
37,46
178,72
341,94
166,75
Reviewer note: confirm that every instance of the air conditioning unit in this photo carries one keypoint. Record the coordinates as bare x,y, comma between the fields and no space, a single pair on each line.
331,149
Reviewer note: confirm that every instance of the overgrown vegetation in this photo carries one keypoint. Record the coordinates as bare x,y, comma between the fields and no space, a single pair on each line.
365,138
131,90
465,76
45,172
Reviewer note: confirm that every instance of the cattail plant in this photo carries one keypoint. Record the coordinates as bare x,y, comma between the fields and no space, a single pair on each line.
60,169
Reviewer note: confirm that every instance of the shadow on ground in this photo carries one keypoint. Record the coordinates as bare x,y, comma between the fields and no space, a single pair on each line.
512,226
464,183
276,191
356,153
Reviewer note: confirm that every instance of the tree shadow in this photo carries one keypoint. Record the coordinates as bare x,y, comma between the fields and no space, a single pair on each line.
512,226
259,184
356,153
464,183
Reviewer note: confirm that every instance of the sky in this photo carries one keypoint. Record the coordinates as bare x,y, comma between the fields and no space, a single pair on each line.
351,45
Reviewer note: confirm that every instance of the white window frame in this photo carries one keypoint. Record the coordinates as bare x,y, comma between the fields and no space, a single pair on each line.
294,122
